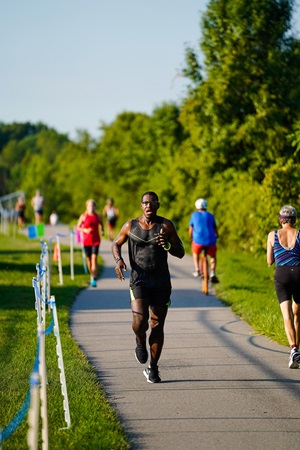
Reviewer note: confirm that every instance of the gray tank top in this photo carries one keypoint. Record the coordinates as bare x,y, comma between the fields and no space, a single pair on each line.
149,261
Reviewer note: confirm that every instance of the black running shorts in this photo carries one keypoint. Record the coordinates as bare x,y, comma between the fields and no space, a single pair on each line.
287,283
91,250
156,297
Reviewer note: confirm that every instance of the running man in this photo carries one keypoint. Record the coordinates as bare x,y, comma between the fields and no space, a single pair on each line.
150,238
203,233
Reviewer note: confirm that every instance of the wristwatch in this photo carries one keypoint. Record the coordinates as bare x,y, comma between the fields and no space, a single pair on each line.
118,258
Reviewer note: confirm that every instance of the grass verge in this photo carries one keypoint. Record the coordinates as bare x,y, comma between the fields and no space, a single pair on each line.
94,423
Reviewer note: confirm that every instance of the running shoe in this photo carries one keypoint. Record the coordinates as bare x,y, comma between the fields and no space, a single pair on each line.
214,279
93,283
152,375
141,353
196,274
294,359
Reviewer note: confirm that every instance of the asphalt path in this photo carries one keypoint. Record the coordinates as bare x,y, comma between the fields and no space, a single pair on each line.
223,386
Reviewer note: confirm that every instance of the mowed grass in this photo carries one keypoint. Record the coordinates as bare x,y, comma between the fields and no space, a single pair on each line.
94,423
247,286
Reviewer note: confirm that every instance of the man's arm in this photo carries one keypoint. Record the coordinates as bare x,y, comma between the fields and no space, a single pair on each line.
169,239
121,238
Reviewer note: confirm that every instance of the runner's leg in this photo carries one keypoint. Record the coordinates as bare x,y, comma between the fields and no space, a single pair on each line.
94,267
213,263
288,319
89,264
156,339
296,312
112,233
196,261
140,317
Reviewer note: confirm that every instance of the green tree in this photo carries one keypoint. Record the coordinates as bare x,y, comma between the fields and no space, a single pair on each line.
18,131
13,149
30,163
166,138
123,159
245,106
294,138
73,180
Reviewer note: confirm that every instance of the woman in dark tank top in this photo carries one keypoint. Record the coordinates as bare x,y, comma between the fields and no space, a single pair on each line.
283,249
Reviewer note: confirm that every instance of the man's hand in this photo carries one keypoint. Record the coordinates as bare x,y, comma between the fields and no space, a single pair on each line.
161,238
120,266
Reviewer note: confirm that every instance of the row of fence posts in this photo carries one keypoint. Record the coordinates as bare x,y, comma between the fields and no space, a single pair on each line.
36,400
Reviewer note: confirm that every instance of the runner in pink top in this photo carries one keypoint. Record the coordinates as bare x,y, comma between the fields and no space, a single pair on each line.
88,224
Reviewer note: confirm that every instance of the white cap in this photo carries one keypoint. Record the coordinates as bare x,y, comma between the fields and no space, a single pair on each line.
201,203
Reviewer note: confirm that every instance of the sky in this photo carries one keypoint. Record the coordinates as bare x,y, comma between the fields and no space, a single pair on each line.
73,64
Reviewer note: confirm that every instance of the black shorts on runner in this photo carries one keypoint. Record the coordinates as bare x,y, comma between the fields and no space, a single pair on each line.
112,221
91,250
155,297
287,283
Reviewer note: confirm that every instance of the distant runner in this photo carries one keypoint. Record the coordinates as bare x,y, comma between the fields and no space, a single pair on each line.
111,213
89,224
20,208
37,203
203,233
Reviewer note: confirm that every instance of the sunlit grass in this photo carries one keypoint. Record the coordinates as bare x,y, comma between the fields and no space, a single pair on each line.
94,423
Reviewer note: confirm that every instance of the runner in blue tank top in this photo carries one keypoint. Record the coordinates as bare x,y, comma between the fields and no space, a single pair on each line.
150,239
283,248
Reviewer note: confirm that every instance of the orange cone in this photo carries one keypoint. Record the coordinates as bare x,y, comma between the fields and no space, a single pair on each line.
55,253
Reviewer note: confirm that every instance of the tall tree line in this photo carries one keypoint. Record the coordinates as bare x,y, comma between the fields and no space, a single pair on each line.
234,139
